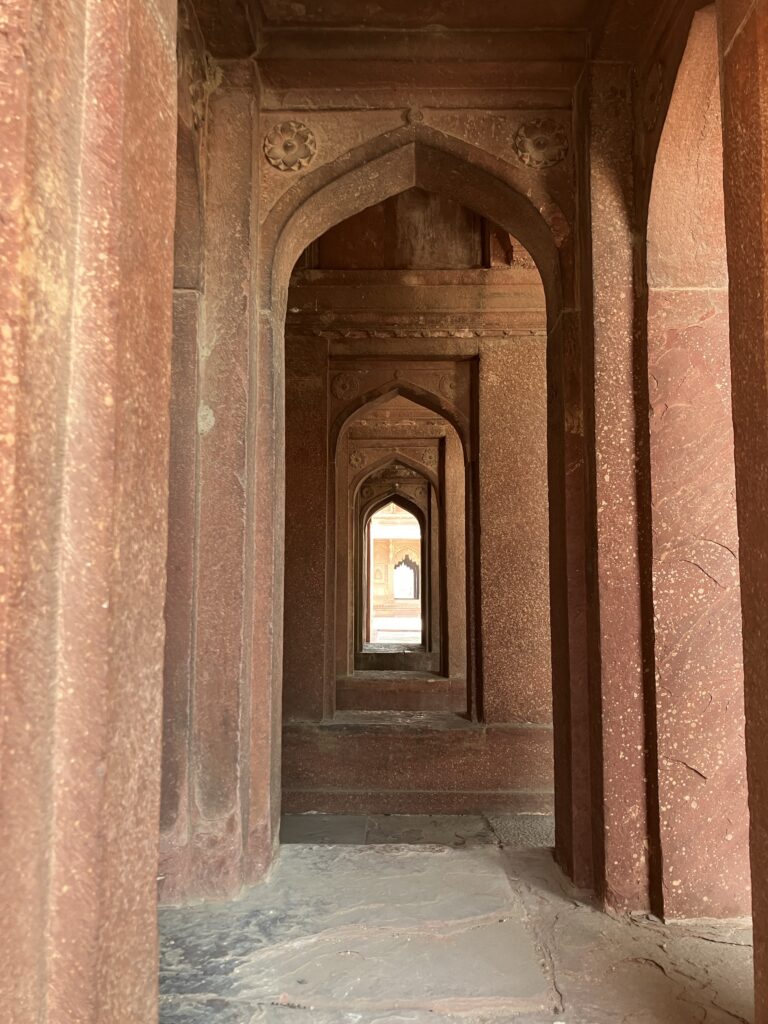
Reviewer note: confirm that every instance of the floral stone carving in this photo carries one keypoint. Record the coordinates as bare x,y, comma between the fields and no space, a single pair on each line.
541,143
290,146
447,388
345,385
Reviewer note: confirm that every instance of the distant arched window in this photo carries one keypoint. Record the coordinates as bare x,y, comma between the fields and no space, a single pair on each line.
394,542
406,580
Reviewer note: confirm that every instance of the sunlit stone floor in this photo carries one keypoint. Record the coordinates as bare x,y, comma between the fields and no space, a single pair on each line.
445,920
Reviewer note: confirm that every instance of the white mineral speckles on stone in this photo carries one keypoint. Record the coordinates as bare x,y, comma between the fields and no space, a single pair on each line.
205,419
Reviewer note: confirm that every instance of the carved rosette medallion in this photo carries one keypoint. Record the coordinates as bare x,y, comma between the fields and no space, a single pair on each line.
447,388
356,459
429,458
541,143
652,96
290,146
345,386
413,116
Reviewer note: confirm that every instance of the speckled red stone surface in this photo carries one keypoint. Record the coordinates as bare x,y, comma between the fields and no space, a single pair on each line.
87,277
744,55
87,160
697,610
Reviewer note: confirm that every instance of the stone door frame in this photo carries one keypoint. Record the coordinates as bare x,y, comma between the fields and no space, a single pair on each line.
412,156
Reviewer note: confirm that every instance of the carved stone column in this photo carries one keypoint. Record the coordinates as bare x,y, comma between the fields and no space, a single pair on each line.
619,766
744,66
86,236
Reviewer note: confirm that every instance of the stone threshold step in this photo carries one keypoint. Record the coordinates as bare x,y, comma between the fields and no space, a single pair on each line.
389,681
424,721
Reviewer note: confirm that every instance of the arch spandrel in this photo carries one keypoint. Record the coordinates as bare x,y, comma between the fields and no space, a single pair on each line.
388,165
515,200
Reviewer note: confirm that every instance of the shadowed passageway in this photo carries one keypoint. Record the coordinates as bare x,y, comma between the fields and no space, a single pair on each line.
384,453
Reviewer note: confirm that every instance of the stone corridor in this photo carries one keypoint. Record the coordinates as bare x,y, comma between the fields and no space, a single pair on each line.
268,268
438,920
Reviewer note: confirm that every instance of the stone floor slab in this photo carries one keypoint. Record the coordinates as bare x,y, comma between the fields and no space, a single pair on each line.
524,831
429,829
346,829
413,934
212,1012
371,926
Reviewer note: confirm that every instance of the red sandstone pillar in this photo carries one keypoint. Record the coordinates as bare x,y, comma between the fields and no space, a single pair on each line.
744,69
224,560
573,751
86,276
573,791
517,664
264,666
306,502
699,691
620,773
182,484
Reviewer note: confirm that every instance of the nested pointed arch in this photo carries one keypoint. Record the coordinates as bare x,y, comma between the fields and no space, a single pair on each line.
412,157
393,497
512,197
401,389
403,459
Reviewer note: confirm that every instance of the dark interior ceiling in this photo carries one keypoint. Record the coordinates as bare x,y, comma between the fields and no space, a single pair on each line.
238,28
451,14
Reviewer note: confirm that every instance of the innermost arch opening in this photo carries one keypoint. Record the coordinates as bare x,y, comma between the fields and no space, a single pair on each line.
395,611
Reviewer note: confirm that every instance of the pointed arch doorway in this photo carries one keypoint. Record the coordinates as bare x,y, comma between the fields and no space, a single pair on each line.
391,396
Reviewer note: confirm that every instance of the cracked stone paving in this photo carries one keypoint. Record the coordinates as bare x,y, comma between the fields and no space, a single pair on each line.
439,920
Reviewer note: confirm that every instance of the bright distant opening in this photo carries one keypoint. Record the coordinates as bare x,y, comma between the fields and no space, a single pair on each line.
394,552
